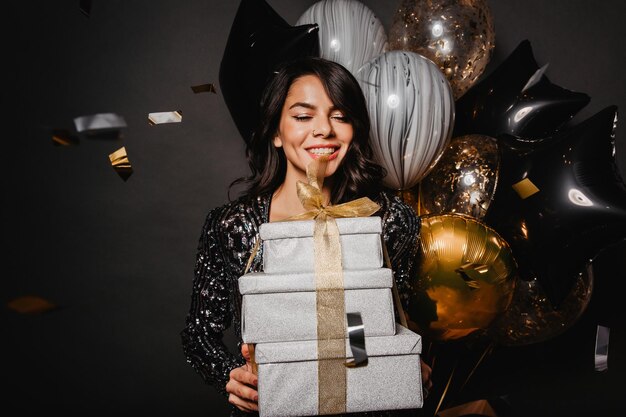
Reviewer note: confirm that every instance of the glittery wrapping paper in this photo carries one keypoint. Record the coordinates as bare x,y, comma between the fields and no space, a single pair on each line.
282,307
390,380
288,246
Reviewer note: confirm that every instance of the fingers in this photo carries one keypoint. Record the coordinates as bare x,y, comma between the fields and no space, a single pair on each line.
239,387
427,383
426,371
243,376
241,394
245,352
242,391
243,405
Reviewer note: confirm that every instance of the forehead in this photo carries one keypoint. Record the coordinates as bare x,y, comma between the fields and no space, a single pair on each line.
308,88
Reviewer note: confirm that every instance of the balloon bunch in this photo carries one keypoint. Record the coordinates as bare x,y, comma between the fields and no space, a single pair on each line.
553,194
515,204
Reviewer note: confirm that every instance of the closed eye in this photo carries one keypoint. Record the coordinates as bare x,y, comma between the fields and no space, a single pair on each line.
302,118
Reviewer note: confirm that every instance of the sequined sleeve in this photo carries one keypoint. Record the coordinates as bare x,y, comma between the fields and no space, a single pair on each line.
401,232
211,310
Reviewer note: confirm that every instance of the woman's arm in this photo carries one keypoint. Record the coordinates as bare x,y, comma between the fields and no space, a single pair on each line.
211,310
401,233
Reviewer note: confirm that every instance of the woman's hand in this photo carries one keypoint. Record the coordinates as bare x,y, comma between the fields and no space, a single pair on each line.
242,385
427,383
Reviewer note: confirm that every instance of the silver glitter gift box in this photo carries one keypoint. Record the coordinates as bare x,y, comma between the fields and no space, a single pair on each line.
391,379
282,307
288,246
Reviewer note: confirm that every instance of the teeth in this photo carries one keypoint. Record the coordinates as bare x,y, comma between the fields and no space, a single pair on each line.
322,151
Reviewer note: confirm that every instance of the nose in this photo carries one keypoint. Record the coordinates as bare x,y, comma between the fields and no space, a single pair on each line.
322,128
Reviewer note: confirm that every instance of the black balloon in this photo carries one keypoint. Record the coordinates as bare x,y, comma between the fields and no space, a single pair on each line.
259,40
516,99
577,210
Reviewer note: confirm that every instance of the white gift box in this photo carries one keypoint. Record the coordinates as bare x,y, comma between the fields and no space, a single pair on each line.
391,379
288,246
282,307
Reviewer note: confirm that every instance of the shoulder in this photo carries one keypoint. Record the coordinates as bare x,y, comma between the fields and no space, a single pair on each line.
397,215
393,205
240,215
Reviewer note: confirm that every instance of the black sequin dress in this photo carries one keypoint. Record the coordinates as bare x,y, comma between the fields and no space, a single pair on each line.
228,236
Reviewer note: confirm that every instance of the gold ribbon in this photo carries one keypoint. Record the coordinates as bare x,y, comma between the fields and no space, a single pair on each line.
330,302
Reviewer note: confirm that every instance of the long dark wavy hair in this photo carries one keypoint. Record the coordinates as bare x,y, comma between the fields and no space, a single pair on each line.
358,174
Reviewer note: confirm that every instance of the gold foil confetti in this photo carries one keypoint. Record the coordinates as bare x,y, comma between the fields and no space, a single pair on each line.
203,88
63,137
525,188
165,117
121,164
99,122
85,7
30,304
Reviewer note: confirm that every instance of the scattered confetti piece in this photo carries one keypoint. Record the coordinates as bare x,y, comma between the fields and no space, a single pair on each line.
30,304
63,137
165,117
204,88
525,188
602,349
99,122
121,164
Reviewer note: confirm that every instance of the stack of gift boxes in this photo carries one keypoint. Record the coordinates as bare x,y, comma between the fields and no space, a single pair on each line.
279,318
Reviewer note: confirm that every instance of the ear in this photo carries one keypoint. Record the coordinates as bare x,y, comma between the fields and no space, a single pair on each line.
278,141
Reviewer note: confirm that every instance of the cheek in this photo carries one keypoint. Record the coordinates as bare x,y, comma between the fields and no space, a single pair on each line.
347,135
292,134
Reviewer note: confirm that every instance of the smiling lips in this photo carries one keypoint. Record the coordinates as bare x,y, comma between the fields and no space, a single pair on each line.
319,150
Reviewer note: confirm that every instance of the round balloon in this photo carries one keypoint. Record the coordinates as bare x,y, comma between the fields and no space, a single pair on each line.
465,280
350,34
531,318
411,109
464,179
458,35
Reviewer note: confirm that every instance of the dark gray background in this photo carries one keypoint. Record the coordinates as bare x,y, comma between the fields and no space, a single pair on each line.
117,257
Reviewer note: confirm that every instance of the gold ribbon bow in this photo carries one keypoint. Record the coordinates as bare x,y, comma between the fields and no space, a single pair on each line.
330,301
313,201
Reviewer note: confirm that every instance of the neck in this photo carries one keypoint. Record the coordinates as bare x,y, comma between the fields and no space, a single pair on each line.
285,202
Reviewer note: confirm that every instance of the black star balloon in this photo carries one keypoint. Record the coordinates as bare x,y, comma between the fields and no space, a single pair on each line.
516,99
560,202
259,40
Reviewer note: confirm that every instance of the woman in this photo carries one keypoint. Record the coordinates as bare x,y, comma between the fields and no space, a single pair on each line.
311,107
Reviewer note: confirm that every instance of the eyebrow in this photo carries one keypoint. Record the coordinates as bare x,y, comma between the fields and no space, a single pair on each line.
309,106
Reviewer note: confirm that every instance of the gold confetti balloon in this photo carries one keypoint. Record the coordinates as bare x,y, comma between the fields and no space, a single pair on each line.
466,277
457,35
464,179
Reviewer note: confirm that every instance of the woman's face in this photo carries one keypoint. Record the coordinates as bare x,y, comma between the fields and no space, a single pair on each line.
310,126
